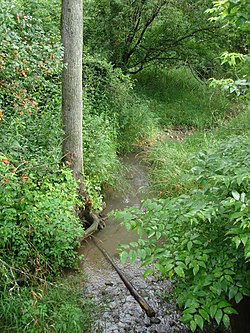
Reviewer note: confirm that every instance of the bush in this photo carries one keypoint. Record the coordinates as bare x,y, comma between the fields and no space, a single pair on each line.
30,69
109,94
201,241
101,164
38,225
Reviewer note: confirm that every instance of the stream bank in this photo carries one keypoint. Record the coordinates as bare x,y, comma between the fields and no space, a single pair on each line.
119,312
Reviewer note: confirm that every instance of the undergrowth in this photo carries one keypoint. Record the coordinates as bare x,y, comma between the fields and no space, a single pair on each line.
57,307
170,159
183,104
179,99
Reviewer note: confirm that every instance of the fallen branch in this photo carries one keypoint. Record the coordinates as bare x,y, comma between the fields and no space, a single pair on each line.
143,304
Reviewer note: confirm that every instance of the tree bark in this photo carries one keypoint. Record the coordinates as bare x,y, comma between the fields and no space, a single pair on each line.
72,38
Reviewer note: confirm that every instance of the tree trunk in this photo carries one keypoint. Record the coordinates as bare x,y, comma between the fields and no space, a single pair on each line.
72,38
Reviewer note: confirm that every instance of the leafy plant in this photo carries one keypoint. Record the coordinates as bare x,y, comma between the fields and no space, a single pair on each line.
201,241
234,14
30,67
38,225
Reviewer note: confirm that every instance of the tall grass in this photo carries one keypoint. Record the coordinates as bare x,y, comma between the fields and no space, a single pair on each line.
46,308
171,158
179,99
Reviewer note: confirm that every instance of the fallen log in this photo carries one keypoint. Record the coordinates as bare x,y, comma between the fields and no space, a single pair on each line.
143,304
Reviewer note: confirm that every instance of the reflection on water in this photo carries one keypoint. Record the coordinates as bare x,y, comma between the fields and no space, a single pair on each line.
114,233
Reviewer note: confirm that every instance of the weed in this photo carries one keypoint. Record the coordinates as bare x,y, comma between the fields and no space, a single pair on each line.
60,307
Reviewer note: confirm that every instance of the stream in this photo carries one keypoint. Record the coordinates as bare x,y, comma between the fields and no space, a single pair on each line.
120,312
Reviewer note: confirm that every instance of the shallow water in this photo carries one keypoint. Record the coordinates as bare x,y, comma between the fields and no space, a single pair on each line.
121,313
114,233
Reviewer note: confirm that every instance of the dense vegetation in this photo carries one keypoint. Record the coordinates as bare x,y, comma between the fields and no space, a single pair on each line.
173,48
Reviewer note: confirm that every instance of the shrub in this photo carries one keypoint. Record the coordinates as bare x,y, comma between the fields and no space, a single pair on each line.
30,67
201,241
38,226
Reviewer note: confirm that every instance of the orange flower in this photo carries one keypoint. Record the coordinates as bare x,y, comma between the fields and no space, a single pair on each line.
34,103
5,161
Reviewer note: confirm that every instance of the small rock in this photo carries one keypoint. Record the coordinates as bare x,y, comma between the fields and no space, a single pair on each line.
155,320
109,283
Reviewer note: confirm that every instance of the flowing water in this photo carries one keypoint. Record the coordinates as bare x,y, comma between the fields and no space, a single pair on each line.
120,312
114,233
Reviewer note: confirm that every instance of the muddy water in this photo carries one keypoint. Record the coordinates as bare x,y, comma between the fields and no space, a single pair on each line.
135,189
120,312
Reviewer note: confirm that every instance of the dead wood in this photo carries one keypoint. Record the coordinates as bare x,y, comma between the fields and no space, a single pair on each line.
143,304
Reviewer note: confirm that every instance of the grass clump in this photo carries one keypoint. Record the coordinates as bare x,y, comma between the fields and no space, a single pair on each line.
46,308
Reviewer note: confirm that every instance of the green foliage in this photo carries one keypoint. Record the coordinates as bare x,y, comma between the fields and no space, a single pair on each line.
36,208
37,221
116,120
179,99
134,34
46,308
234,12
138,124
170,158
238,88
101,163
47,11
30,67
201,241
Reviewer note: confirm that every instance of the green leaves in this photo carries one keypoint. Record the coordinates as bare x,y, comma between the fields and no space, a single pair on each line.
37,220
204,241
199,321
218,316
179,271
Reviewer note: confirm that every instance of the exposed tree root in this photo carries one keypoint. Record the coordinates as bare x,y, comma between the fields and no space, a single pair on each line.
97,223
